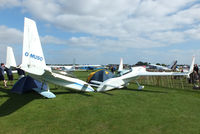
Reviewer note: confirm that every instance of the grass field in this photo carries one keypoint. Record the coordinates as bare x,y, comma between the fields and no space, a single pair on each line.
154,110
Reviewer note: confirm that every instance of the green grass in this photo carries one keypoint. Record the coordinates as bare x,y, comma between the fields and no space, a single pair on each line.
154,110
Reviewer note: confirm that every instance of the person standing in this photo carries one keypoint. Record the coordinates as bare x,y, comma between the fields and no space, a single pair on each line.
2,78
196,68
20,72
9,75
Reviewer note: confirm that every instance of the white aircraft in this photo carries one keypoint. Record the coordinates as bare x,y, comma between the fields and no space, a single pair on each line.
33,62
163,68
133,74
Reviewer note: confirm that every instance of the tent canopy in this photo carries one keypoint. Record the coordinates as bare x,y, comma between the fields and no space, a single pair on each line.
27,84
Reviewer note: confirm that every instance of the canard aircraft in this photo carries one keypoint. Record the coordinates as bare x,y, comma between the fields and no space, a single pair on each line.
125,76
33,62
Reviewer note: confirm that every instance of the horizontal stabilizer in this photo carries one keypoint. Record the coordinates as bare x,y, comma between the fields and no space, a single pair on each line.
112,86
94,85
45,93
96,82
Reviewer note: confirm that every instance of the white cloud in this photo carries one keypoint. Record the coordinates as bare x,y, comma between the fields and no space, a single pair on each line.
119,25
9,3
193,33
52,40
10,35
137,20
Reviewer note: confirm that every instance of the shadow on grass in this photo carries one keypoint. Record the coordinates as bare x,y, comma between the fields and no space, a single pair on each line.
144,90
106,93
73,92
15,101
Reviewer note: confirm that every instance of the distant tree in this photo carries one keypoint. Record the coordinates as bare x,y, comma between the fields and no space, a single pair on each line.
161,64
157,63
140,63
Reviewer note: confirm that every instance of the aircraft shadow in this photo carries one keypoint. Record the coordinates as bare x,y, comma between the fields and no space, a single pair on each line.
144,90
73,92
106,93
15,101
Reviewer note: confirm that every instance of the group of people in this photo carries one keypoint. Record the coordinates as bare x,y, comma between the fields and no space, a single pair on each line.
9,73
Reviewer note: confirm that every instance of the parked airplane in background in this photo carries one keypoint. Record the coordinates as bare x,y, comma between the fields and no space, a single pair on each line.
33,62
133,74
89,67
163,68
64,70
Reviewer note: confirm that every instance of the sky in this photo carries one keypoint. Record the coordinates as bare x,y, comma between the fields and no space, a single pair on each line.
103,31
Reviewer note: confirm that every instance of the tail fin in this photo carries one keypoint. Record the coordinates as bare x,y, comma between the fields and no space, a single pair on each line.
10,58
191,66
32,56
74,63
173,65
120,65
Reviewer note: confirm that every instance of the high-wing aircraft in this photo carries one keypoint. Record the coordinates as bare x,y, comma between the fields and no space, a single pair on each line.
133,74
33,62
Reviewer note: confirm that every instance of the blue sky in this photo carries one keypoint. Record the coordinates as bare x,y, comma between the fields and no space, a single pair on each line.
101,32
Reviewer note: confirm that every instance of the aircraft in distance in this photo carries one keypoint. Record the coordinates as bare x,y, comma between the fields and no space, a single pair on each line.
63,69
171,67
124,77
33,62
89,67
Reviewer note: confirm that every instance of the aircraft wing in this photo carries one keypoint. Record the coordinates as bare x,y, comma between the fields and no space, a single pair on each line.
162,74
146,73
66,81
